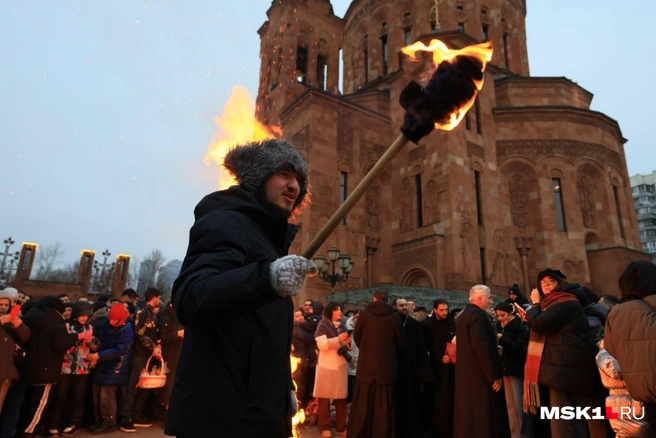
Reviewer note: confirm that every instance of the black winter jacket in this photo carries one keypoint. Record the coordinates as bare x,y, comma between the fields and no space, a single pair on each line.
48,342
515,344
234,376
568,360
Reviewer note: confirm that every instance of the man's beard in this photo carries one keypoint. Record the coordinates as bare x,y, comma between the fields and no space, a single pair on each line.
270,207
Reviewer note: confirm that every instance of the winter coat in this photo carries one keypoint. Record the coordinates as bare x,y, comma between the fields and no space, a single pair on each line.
114,354
515,345
594,311
146,332
171,348
630,337
75,359
378,335
234,374
9,337
618,398
331,378
355,351
48,342
305,347
312,321
478,408
568,358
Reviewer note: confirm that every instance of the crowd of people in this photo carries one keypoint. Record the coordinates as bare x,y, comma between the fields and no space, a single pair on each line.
389,370
69,366
487,370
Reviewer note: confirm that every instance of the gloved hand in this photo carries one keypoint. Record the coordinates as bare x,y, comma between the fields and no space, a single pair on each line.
288,274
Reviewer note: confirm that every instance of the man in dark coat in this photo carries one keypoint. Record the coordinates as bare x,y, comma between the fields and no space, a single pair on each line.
233,297
48,342
305,349
413,369
438,330
378,336
479,400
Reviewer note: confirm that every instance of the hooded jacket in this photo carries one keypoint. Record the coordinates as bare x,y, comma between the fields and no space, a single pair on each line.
114,353
378,335
234,376
48,342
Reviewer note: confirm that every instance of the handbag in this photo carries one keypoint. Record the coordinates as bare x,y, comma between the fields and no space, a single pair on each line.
156,378
451,351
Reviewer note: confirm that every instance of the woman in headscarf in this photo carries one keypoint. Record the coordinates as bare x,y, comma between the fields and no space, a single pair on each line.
561,356
515,295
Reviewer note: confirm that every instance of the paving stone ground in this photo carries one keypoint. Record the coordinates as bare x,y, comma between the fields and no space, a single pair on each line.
156,431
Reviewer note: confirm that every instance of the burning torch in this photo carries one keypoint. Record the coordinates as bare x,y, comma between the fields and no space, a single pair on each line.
441,103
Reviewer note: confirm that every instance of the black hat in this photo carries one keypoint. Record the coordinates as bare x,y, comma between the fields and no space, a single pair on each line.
252,164
52,302
554,273
81,308
129,292
515,289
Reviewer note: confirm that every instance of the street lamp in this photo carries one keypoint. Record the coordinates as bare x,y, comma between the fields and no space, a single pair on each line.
327,267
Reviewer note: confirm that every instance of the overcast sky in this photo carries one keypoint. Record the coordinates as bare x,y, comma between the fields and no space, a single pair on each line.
106,107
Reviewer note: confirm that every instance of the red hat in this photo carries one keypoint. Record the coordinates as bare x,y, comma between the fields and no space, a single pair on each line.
118,312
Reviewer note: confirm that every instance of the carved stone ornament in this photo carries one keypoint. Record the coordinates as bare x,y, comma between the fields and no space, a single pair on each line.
570,149
373,207
586,198
407,213
519,199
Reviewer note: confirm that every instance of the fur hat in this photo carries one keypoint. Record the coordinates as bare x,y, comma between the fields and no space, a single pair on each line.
252,164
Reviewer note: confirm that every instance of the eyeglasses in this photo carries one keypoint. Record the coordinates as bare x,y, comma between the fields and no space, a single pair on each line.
547,282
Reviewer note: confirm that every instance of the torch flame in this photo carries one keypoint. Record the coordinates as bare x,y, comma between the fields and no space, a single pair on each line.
481,52
237,125
300,415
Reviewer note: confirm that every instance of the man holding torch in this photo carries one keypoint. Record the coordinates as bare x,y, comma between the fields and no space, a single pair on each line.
233,296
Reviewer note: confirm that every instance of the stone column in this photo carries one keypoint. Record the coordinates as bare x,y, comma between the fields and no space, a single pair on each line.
372,245
524,245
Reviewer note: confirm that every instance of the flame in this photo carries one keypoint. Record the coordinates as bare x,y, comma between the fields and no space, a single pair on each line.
481,52
300,415
237,125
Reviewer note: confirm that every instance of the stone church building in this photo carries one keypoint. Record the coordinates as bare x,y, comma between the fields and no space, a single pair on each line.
532,178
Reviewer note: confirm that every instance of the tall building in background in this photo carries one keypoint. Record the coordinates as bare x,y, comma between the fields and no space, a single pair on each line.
532,178
643,188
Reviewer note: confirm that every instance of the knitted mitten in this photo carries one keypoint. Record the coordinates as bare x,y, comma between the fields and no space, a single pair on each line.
288,274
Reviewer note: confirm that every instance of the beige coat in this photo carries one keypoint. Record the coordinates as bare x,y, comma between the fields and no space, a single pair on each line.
630,337
331,377
618,398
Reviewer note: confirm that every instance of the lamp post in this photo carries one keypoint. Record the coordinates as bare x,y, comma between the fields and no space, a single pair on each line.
327,267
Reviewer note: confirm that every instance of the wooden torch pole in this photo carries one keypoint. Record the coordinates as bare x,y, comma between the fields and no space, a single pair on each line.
355,196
